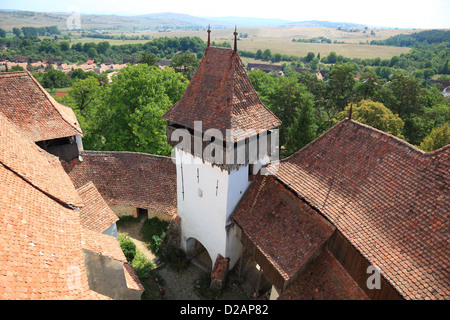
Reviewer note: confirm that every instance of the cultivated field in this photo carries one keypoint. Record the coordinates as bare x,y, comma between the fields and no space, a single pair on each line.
279,40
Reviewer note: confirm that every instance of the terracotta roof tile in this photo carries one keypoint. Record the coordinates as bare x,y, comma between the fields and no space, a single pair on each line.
388,198
40,236
221,96
102,244
284,228
324,279
26,104
34,165
133,281
129,179
95,214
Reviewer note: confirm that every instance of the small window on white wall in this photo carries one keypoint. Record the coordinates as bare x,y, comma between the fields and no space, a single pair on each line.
200,192
251,170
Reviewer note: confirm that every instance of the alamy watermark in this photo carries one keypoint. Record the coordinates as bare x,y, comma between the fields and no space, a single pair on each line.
374,280
238,147
74,19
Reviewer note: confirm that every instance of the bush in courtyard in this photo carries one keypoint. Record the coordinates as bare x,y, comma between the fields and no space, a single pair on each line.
141,265
154,231
128,247
176,259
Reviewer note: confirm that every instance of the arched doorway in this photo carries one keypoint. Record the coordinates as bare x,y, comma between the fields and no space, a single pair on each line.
198,254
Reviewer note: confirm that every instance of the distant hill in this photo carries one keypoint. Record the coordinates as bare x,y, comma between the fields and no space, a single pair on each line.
324,24
166,20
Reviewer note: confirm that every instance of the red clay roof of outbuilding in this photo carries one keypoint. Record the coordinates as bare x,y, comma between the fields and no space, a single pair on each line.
26,104
41,255
95,214
221,95
129,179
324,279
285,229
388,198
39,168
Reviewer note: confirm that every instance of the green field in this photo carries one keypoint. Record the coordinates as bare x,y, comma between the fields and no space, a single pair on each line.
279,40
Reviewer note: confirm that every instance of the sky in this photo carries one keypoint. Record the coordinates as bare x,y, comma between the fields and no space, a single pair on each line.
422,14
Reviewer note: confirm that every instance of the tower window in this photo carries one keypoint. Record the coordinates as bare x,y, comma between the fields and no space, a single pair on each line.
251,170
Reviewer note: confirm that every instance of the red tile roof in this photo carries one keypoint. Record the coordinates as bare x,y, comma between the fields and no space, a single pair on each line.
61,94
221,96
25,103
34,165
102,244
133,281
40,234
95,214
129,179
285,230
324,279
388,198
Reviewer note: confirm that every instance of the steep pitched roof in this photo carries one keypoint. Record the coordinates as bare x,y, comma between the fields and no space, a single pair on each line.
95,214
324,279
40,235
221,96
129,179
284,229
34,165
102,244
388,198
29,106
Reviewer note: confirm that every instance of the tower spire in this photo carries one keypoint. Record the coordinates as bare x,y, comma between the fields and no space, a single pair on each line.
235,38
209,35
350,112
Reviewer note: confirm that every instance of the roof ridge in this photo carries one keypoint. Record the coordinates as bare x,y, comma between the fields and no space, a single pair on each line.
86,185
399,141
125,152
53,102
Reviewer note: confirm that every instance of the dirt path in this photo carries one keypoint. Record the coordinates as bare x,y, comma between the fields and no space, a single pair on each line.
178,285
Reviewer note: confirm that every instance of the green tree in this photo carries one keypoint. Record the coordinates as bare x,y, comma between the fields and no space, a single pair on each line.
266,55
341,84
92,52
368,85
55,79
438,138
404,95
2,33
131,115
376,115
17,32
185,63
103,46
85,92
310,56
258,54
16,68
284,97
331,58
148,58
303,129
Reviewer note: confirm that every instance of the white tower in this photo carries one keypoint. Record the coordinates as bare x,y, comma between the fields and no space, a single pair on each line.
221,133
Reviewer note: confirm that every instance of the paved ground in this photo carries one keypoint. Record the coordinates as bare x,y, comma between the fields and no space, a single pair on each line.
180,285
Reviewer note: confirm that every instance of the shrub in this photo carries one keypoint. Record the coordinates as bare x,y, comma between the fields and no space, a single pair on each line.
141,265
128,247
176,259
153,231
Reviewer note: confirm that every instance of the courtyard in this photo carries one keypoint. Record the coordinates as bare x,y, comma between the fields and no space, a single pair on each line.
191,283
